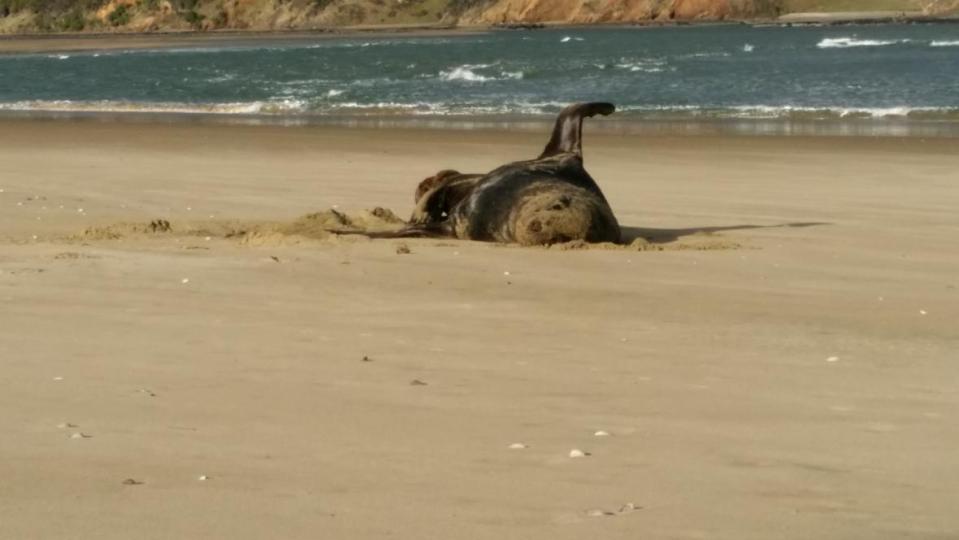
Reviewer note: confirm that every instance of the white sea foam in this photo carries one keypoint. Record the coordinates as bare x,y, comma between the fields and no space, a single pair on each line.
847,42
299,108
645,65
334,92
466,73
791,112
106,106
780,111
463,73
944,44
707,54
749,47
640,67
567,39
225,77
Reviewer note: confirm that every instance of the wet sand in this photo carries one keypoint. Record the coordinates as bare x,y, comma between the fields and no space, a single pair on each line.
781,365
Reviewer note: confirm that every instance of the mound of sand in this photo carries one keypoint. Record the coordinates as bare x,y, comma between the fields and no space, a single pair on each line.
316,226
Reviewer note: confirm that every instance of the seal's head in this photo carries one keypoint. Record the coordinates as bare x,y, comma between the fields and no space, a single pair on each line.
437,195
433,182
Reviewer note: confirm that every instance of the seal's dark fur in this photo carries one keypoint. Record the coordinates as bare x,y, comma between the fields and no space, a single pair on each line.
547,200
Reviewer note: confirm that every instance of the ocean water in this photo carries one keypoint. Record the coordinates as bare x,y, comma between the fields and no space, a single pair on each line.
904,73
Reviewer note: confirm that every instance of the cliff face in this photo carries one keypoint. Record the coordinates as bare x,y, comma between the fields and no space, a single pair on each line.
589,11
153,15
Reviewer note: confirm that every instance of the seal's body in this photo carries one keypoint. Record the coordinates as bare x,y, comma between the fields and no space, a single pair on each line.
548,200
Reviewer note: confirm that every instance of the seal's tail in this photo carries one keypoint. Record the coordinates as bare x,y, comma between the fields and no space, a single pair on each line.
568,131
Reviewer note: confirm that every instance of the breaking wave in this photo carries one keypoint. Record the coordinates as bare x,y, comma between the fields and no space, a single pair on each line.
944,44
468,73
287,106
323,107
847,42
644,66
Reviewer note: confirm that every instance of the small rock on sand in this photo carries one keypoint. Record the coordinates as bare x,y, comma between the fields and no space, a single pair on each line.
577,453
517,446
624,509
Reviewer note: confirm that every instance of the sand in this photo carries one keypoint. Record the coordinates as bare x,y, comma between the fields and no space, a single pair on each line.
777,360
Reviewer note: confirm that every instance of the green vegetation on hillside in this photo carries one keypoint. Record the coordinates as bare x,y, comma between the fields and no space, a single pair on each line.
53,15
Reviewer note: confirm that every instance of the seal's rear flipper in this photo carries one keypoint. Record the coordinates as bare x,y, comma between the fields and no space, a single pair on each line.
568,131
427,230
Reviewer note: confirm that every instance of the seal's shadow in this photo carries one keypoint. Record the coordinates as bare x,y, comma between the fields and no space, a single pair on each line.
665,236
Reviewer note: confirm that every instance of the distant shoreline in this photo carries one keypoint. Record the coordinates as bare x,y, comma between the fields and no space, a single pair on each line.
630,125
82,41
78,42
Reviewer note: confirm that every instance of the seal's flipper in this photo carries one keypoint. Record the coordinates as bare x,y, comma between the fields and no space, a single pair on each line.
568,131
428,230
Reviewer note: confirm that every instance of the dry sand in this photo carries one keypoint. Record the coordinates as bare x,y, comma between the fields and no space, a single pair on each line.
786,366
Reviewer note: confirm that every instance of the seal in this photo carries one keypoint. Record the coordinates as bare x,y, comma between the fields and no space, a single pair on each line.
547,200
436,196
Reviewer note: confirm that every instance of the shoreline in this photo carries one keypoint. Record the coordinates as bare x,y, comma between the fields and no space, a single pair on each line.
92,41
621,125
82,42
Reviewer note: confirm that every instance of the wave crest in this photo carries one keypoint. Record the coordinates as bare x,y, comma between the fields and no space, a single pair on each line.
466,73
847,42
294,108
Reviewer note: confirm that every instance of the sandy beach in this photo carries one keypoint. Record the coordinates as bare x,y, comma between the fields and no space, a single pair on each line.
777,360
